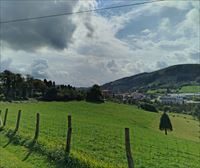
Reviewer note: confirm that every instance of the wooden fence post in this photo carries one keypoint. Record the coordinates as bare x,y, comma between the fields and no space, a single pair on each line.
18,121
5,118
37,126
69,133
128,149
1,118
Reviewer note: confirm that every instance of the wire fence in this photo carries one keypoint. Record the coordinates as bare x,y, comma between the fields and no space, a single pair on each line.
52,131
93,141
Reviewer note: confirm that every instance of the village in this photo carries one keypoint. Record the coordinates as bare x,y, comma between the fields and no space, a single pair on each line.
165,99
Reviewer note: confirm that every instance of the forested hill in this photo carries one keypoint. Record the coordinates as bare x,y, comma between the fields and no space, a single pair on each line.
170,77
19,87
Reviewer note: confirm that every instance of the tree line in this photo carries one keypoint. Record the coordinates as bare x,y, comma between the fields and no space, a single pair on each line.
18,87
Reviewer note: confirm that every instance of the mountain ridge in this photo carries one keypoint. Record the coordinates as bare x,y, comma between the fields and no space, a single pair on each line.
170,77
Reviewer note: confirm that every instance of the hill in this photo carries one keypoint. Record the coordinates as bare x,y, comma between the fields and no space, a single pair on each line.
171,77
98,137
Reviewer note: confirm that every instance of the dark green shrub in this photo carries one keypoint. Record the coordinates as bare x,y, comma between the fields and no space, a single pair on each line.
148,107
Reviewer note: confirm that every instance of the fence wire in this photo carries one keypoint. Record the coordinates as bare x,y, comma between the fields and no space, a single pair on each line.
146,152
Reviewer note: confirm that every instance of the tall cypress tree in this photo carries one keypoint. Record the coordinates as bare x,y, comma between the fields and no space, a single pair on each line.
165,123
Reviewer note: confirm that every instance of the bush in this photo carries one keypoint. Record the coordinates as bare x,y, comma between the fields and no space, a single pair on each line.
94,94
2,97
51,94
148,107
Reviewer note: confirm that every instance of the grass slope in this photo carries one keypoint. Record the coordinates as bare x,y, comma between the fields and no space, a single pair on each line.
190,89
14,156
98,137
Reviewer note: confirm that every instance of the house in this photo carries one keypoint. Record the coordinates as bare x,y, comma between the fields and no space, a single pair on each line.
106,94
171,100
130,97
138,96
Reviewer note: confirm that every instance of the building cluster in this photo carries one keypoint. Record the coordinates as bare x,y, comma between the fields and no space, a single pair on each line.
124,97
180,98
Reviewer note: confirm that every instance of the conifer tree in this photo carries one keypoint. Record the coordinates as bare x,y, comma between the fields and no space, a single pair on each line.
165,123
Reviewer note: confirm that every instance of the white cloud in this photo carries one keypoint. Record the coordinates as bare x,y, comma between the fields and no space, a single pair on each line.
6,64
161,64
181,5
96,55
146,31
112,66
164,25
39,68
189,26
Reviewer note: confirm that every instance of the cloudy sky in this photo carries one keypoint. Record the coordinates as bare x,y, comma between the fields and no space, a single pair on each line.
98,47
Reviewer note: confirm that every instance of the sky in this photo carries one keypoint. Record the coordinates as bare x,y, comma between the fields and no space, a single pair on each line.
97,47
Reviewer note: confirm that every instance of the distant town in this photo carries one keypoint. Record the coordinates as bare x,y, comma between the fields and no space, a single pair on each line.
155,101
170,98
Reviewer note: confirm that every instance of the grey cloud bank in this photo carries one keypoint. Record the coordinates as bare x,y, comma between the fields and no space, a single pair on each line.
53,32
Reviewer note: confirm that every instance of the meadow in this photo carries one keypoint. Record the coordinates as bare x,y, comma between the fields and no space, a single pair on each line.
190,89
97,137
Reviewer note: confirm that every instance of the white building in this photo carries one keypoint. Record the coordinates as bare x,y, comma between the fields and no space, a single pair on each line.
171,100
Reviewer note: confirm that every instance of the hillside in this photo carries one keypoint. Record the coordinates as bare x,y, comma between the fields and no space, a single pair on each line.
173,77
98,137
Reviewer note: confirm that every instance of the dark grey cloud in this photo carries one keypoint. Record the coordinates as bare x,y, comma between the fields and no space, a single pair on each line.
53,32
39,69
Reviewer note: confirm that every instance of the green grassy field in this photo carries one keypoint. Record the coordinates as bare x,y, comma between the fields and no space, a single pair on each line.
157,91
190,89
98,137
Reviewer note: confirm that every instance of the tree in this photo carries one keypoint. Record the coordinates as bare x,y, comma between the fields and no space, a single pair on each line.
94,94
165,123
148,107
51,94
166,108
18,87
